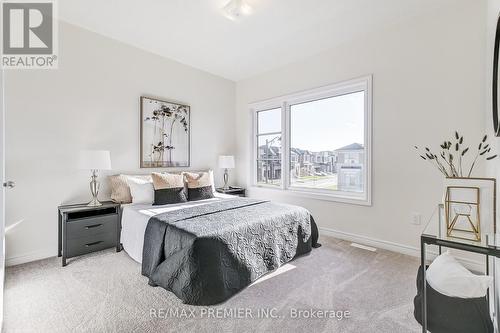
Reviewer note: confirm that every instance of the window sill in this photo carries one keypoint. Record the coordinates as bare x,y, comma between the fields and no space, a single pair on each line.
361,201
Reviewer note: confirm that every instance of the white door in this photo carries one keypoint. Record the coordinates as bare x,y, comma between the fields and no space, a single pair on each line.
2,194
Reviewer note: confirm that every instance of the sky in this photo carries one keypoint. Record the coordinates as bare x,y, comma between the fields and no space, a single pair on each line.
326,124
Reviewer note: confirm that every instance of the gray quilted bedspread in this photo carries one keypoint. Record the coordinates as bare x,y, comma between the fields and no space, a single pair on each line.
207,253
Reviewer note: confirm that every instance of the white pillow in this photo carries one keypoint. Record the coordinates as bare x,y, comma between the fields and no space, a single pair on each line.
447,276
141,190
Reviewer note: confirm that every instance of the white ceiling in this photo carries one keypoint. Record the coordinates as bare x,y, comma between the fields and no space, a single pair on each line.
195,32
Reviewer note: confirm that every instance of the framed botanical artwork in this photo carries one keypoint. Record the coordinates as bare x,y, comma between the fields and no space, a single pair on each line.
165,134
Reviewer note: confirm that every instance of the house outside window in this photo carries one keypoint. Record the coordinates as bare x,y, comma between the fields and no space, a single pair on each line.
350,169
324,137
269,157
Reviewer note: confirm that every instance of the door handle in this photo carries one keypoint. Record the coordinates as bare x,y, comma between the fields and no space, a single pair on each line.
93,226
9,184
94,243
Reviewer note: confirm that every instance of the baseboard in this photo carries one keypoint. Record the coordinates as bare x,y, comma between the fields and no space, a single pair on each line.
378,243
32,256
396,247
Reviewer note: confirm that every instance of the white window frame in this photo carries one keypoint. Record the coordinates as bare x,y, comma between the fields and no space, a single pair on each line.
360,84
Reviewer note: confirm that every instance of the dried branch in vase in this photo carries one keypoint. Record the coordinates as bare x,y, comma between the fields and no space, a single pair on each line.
449,161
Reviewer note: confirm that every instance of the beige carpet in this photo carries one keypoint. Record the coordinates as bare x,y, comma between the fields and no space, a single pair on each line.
105,292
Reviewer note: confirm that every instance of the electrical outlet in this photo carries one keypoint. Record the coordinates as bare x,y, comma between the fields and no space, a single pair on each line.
416,218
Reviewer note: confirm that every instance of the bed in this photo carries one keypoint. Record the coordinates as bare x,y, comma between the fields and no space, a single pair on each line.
135,218
206,251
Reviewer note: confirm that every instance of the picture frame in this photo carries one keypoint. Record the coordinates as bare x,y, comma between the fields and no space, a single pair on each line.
475,194
462,212
165,135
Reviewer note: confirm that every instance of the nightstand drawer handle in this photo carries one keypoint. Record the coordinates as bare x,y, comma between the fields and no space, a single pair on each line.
93,226
94,243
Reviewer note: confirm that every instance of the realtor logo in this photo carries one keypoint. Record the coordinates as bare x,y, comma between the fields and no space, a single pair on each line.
29,34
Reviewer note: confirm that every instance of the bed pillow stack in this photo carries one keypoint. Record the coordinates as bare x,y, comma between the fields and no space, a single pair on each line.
168,188
200,185
162,188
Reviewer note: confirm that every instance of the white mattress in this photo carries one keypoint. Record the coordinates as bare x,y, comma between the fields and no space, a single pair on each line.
135,218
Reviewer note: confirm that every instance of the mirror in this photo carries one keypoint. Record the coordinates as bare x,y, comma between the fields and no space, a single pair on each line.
495,92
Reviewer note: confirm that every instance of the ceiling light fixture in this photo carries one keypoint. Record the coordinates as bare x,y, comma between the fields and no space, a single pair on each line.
235,9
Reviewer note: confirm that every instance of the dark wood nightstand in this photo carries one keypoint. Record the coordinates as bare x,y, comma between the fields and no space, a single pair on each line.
238,191
84,229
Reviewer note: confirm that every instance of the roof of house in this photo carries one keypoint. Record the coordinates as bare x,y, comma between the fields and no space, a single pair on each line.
299,151
352,146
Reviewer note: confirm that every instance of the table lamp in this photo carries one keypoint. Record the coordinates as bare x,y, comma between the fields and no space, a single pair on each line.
94,160
226,162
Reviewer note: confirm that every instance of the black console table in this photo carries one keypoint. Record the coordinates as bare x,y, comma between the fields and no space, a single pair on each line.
435,234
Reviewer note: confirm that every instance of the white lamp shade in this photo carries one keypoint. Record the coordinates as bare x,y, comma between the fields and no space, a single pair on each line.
94,160
226,162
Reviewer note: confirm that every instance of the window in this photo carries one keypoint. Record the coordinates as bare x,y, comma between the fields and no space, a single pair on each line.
325,128
269,147
323,136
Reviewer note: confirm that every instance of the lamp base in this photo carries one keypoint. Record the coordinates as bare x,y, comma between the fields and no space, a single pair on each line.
94,203
226,179
94,190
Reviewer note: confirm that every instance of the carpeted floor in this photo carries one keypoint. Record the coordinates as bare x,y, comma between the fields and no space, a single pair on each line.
105,292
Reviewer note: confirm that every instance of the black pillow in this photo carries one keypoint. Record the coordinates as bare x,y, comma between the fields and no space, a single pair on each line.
200,193
170,196
200,186
169,188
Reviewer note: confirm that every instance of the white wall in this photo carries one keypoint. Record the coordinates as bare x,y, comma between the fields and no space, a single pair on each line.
92,101
2,195
428,79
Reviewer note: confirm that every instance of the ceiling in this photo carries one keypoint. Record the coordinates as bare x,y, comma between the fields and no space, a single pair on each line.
279,32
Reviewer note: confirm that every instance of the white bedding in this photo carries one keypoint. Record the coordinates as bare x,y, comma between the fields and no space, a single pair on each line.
135,218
